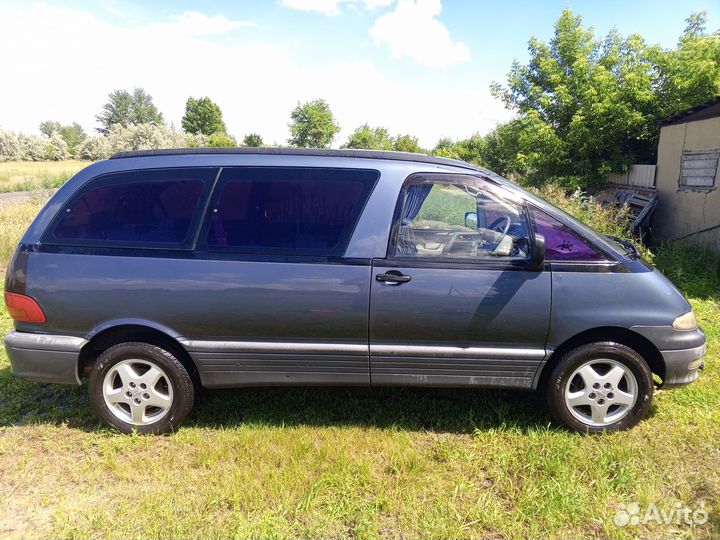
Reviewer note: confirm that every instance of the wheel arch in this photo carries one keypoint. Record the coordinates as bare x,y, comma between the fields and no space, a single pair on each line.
643,346
113,333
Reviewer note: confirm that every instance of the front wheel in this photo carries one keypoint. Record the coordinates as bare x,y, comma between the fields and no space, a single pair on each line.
141,387
600,387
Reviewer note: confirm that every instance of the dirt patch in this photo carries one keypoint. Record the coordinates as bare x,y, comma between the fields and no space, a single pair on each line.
15,197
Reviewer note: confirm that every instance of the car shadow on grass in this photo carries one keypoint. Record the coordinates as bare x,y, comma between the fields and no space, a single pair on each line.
442,410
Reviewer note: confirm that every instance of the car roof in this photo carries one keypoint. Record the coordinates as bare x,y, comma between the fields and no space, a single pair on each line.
314,152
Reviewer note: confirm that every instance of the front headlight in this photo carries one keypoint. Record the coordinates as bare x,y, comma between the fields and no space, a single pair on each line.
686,321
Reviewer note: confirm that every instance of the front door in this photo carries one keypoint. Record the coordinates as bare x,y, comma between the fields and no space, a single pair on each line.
454,303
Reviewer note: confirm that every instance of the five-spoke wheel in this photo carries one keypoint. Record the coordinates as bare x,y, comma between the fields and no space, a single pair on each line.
137,392
142,387
602,386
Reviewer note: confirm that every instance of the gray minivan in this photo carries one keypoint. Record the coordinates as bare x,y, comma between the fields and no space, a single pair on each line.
155,273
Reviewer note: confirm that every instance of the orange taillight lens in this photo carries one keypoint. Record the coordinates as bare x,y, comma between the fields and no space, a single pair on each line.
23,308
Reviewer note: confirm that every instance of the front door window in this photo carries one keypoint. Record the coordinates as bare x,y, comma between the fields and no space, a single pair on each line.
448,219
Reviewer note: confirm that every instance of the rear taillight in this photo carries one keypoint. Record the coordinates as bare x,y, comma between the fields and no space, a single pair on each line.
23,308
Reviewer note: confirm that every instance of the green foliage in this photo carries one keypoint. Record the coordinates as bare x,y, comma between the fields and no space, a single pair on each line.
253,140
591,106
73,134
406,143
124,108
690,73
313,125
202,115
221,140
369,138
49,127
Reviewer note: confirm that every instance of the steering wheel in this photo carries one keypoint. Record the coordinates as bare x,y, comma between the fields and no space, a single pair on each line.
494,226
501,228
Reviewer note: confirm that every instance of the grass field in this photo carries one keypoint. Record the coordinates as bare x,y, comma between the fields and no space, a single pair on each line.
361,463
32,175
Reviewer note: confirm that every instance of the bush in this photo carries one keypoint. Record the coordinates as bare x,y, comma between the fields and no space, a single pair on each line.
94,148
56,149
10,148
610,220
221,140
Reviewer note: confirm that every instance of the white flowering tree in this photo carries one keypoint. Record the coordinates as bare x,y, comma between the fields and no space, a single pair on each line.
9,146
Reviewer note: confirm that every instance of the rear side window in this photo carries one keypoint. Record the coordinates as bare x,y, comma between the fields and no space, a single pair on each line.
147,207
561,242
304,211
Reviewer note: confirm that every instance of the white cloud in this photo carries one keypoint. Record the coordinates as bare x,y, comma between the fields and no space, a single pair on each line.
412,31
62,63
199,24
332,7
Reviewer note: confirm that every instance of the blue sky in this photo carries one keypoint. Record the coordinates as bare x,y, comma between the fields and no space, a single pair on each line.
413,66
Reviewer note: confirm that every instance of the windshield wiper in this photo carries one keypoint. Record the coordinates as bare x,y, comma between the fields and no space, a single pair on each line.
629,247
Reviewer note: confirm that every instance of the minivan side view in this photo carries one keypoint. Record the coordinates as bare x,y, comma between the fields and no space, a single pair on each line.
155,273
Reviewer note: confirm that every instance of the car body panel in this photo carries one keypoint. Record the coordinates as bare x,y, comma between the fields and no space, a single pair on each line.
294,320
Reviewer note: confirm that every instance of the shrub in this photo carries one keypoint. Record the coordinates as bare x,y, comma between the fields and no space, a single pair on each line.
10,148
32,147
610,220
94,148
221,140
56,149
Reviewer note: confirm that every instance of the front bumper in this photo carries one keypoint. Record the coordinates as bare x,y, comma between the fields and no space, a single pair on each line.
44,357
681,350
683,366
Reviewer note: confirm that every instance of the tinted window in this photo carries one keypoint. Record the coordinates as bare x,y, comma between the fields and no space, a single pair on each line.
142,207
459,219
288,210
563,244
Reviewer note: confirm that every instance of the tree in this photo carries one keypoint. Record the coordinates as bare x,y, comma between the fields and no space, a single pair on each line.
202,115
690,73
591,106
72,134
125,109
253,140
366,137
313,125
406,143
49,127
471,149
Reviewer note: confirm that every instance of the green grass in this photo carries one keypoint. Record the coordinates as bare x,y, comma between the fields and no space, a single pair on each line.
32,175
447,205
361,463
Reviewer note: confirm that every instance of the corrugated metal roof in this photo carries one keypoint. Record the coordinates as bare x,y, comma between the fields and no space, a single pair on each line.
702,111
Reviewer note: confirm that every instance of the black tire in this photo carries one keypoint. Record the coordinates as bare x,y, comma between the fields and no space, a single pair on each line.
182,387
575,359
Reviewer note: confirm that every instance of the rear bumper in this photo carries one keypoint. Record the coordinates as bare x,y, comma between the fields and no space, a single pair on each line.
44,357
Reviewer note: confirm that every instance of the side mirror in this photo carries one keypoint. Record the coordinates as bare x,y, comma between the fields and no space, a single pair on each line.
538,254
471,220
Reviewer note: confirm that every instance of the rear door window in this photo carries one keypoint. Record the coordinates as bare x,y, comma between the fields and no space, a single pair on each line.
142,208
303,211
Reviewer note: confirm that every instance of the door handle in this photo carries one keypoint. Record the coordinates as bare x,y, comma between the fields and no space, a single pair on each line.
393,277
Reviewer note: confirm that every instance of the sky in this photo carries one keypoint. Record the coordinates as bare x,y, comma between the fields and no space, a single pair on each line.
421,67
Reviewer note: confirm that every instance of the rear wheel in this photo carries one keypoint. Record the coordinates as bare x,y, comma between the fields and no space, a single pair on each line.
141,387
600,387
